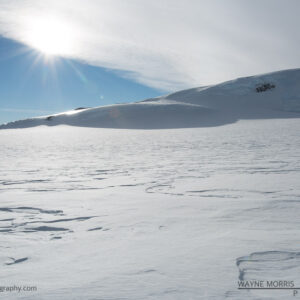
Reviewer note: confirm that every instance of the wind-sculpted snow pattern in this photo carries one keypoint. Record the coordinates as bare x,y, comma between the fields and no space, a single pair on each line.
276,263
91,213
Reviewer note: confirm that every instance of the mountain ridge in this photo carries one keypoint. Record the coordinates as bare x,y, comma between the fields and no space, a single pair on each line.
271,95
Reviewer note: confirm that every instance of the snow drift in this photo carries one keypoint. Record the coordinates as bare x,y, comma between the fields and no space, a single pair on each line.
273,95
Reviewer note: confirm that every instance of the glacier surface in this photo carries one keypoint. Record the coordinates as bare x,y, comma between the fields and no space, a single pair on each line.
91,213
109,208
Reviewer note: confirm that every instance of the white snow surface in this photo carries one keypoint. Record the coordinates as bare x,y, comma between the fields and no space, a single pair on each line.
199,107
111,214
91,213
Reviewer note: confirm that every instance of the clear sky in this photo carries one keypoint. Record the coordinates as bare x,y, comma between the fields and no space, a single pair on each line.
124,50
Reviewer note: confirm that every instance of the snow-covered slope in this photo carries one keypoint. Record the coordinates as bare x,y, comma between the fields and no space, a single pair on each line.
89,213
273,95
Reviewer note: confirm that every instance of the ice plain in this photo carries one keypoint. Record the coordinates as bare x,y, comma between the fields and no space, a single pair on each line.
175,213
150,214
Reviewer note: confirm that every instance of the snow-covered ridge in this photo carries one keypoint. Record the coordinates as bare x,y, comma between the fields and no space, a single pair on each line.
272,95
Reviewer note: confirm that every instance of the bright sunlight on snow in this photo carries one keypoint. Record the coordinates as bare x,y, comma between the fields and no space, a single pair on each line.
150,150
101,213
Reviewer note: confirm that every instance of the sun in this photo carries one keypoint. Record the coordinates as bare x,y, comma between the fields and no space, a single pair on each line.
51,36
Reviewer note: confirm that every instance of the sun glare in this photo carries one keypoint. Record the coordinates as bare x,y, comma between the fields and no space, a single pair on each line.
51,36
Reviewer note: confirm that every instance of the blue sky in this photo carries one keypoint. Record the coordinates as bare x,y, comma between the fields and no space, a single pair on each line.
33,87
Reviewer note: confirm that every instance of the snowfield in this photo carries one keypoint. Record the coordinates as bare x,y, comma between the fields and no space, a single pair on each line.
103,213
